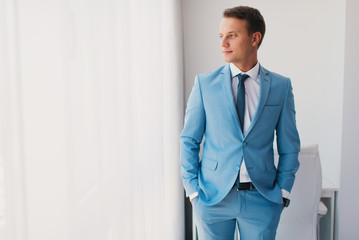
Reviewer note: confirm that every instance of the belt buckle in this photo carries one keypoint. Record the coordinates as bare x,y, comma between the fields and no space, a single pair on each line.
249,186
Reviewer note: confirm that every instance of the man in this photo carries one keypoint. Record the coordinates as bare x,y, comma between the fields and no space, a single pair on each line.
238,108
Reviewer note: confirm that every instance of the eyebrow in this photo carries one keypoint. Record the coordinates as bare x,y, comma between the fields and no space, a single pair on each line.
228,32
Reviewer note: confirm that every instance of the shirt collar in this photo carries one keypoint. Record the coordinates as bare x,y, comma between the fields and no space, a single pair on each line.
252,73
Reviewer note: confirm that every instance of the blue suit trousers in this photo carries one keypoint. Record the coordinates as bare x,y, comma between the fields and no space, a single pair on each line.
257,218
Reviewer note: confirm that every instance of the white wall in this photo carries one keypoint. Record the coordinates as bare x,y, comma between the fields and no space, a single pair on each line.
303,41
348,194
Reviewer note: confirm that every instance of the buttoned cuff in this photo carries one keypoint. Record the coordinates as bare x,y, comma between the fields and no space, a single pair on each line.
193,195
285,193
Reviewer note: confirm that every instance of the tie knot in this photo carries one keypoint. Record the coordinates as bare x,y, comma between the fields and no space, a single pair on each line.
242,77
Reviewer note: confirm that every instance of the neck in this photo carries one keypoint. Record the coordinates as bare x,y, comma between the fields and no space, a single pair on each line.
248,64
245,67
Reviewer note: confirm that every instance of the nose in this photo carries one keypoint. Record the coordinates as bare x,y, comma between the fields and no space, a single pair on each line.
224,42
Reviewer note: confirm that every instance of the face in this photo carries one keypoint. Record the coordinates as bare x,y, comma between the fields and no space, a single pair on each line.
237,47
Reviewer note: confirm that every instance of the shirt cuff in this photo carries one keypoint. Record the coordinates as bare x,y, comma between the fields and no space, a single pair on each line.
193,195
285,193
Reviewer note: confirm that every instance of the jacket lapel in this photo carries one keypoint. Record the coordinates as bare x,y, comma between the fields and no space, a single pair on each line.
264,86
226,81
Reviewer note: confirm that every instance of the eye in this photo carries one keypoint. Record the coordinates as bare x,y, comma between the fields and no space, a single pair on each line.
221,36
232,35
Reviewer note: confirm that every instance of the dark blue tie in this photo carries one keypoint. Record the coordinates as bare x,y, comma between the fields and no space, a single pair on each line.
241,98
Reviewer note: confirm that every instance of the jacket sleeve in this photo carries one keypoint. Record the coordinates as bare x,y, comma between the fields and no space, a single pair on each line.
288,142
191,138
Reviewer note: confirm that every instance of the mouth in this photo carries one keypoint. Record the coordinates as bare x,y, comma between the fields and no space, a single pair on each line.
226,52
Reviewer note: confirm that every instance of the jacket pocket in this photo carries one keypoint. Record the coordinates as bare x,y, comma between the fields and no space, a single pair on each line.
209,163
270,165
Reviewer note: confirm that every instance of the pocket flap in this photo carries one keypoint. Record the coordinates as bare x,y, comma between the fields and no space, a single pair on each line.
209,163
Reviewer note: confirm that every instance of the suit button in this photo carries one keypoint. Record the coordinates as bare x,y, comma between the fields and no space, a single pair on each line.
244,144
237,168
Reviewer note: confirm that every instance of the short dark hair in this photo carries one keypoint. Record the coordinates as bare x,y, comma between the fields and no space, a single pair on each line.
255,20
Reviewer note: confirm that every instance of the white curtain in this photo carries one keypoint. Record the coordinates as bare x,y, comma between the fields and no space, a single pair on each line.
100,111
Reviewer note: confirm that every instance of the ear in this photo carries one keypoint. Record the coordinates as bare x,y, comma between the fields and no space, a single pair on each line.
256,38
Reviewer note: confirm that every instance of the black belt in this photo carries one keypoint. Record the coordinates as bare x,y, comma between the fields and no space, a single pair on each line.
245,186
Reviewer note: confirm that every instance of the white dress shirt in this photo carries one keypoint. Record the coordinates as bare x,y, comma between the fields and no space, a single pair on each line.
251,101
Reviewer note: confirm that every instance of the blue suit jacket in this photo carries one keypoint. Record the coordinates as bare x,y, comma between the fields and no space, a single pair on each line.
211,113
